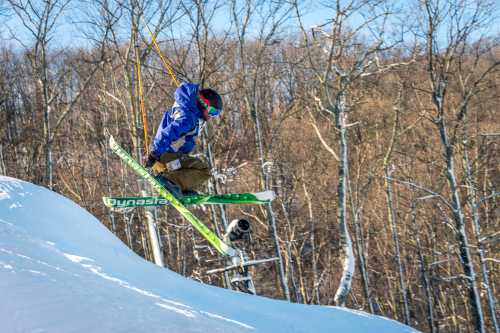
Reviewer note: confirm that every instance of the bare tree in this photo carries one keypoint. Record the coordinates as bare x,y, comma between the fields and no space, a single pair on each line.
459,21
345,59
136,67
40,20
391,211
471,88
272,17
473,79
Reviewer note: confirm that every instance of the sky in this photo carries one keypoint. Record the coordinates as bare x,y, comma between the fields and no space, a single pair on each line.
73,24
70,28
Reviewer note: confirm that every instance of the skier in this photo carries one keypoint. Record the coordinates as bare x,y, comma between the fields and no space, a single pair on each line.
169,160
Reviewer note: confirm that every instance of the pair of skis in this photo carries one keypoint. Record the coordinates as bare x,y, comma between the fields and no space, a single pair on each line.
167,198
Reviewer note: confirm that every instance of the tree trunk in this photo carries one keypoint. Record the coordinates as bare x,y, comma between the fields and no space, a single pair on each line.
397,252
270,213
42,83
359,238
290,261
473,203
343,171
213,188
3,169
391,213
315,289
153,234
458,218
423,271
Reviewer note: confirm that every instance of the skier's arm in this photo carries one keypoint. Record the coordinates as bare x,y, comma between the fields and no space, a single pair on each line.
178,128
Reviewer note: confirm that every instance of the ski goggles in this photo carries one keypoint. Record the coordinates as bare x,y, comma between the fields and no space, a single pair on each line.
213,111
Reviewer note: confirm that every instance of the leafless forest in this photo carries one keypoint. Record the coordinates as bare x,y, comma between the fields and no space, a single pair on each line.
378,129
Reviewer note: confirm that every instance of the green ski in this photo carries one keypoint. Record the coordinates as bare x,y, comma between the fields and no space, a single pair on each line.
209,235
259,198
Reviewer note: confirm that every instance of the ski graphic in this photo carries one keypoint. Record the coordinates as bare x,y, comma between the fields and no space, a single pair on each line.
259,198
209,235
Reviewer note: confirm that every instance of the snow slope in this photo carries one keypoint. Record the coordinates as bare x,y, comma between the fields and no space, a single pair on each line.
61,270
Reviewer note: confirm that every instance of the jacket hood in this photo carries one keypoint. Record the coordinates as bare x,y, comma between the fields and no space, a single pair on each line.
186,96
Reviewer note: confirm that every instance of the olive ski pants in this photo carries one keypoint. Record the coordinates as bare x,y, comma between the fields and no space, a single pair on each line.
189,172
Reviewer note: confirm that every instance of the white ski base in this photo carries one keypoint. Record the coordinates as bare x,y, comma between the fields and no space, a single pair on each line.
265,196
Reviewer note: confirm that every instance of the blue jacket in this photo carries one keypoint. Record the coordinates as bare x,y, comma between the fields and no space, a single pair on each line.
179,127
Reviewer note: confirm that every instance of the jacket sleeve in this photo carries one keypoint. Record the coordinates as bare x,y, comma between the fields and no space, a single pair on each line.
182,124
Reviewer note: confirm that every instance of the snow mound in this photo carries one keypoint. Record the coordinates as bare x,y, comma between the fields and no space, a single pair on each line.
61,270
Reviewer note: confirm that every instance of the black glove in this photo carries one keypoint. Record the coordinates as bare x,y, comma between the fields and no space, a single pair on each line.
150,160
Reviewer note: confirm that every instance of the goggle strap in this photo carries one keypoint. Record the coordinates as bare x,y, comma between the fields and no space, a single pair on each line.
204,101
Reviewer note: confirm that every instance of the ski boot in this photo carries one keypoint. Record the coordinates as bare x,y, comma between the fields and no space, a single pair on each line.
172,187
189,193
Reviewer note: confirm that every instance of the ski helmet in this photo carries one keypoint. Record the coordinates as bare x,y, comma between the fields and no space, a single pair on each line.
211,101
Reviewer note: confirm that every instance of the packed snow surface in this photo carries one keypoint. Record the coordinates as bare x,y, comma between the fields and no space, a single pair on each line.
61,270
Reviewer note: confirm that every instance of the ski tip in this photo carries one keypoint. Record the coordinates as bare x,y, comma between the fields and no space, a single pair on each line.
106,201
266,195
111,140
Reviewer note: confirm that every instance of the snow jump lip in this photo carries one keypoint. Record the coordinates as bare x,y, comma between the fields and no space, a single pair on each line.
61,270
